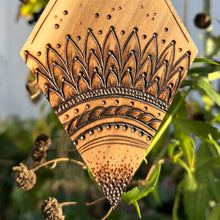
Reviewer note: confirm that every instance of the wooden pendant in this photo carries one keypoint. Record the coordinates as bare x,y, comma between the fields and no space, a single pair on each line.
110,70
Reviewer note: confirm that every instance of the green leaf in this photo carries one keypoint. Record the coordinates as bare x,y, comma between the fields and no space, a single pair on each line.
215,215
196,195
218,117
186,142
212,163
204,60
132,196
204,84
217,46
200,129
173,109
32,7
186,83
182,164
214,185
213,76
209,104
203,70
177,157
172,146
177,201
214,143
135,203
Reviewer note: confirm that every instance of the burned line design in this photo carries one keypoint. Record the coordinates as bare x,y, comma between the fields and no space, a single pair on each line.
124,111
127,66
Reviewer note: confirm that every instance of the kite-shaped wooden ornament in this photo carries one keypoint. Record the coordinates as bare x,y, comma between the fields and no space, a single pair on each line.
110,70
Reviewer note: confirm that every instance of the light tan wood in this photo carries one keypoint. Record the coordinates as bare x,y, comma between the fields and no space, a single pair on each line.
110,70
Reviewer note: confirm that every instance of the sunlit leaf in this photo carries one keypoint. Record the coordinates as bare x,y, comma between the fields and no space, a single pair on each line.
132,196
214,143
209,103
196,195
177,105
135,203
182,163
203,70
215,214
217,117
32,7
204,60
204,84
213,76
200,129
186,83
186,142
172,146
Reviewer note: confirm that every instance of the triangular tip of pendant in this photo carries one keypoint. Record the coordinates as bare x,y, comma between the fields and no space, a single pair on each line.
114,183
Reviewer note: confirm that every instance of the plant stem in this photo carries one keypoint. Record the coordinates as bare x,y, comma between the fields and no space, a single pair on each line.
87,204
207,32
152,169
165,124
177,201
107,215
215,144
68,203
94,202
59,160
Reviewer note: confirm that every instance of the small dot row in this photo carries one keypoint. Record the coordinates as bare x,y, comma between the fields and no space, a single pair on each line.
116,102
78,38
108,127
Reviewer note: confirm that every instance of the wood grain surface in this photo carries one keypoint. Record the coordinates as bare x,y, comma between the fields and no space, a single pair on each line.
110,70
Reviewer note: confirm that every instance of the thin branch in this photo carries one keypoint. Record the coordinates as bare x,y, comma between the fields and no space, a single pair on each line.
60,160
68,203
107,215
144,182
145,160
94,202
152,169
207,31
87,203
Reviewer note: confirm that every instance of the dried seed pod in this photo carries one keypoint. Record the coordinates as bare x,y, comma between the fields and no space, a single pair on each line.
42,142
51,209
39,155
202,20
25,178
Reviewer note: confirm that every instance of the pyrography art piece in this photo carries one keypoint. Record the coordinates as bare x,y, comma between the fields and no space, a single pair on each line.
110,70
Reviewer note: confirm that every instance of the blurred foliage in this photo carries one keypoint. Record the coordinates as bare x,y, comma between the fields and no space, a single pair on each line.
31,9
185,187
